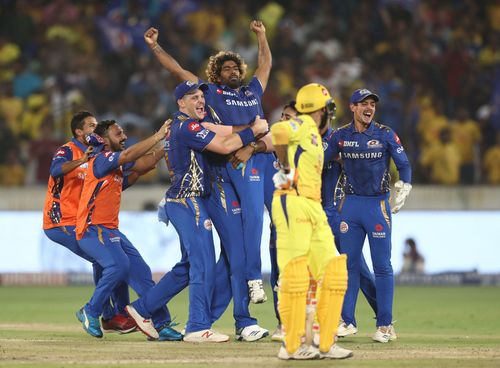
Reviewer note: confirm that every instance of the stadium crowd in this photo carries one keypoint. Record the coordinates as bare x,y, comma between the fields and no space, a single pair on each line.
433,63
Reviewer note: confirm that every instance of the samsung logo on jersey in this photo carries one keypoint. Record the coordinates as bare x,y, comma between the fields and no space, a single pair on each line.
241,103
356,155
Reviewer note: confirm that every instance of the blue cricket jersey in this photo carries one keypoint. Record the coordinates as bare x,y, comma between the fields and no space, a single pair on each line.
330,190
184,157
230,107
366,158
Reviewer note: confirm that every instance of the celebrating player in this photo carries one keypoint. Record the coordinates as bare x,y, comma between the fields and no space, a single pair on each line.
231,103
187,206
97,218
67,173
365,148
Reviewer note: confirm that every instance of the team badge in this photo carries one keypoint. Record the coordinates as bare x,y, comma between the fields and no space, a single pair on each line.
373,144
276,165
219,91
207,224
325,146
344,227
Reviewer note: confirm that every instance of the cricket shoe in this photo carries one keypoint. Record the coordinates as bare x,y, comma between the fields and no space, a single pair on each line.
336,352
346,329
119,323
205,336
145,325
90,324
167,333
385,334
251,333
256,291
278,334
304,352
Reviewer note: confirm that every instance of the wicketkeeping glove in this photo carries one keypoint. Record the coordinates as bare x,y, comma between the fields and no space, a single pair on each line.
283,180
401,191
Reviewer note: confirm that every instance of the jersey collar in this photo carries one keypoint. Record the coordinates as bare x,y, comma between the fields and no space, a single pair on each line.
368,131
79,144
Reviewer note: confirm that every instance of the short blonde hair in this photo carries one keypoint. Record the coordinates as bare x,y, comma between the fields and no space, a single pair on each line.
216,61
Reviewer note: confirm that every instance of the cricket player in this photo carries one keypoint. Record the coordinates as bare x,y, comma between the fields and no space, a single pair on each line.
365,148
97,229
304,239
67,173
229,102
187,203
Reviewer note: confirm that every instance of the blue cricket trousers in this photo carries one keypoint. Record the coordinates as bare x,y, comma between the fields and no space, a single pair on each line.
196,267
65,235
231,281
249,185
121,262
361,216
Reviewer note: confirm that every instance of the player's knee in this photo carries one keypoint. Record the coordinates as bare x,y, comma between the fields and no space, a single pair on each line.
294,277
383,269
335,276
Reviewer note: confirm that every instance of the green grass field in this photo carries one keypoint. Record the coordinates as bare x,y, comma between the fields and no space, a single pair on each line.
437,327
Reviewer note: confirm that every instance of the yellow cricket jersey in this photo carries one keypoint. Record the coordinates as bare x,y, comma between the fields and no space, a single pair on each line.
305,154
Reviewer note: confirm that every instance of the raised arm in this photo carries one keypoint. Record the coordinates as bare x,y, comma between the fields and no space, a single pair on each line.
168,62
137,150
148,161
265,59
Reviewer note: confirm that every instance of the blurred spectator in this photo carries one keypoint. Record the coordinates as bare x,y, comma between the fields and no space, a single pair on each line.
442,159
428,58
467,136
413,262
12,172
492,162
41,151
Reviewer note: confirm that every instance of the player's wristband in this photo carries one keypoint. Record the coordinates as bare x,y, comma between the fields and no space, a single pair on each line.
246,136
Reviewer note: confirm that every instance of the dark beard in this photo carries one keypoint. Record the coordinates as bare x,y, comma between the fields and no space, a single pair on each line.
233,85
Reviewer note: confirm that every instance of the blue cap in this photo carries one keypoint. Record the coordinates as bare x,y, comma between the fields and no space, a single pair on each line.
185,87
362,94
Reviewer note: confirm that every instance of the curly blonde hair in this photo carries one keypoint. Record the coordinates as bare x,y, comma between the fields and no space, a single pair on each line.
216,61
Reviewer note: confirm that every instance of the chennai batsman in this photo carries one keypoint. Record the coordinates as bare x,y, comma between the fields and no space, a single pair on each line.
304,238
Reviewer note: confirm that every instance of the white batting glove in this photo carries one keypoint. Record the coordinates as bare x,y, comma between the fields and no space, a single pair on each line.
283,180
401,191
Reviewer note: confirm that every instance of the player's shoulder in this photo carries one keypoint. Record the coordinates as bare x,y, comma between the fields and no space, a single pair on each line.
342,129
378,127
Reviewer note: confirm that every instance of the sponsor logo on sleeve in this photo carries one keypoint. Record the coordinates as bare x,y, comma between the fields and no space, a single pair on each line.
396,138
325,146
194,127
60,152
202,134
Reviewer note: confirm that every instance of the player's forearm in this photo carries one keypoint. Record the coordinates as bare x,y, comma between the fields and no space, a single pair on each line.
69,166
137,150
148,161
169,63
264,60
282,154
265,144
